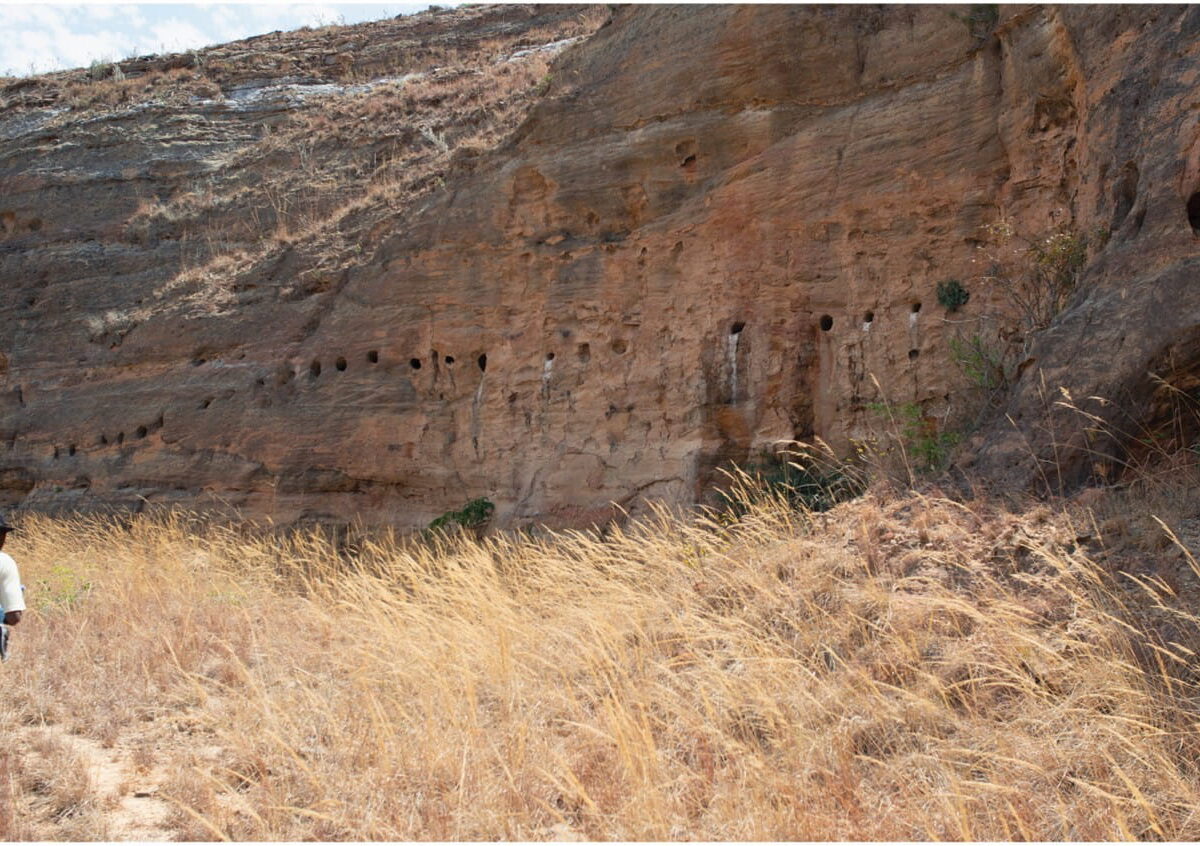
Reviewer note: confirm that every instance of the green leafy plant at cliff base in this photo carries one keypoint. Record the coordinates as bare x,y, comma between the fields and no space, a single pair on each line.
473,515
803,476
807,487
924,446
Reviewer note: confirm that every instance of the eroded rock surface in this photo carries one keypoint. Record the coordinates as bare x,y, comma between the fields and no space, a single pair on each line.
702,230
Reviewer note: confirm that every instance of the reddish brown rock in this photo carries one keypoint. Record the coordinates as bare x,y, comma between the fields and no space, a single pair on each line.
1113,381
717,227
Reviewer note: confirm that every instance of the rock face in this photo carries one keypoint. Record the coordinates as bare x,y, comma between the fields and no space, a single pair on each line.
1114,380
703,230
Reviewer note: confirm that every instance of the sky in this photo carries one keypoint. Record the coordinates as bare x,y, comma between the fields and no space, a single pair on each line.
40,37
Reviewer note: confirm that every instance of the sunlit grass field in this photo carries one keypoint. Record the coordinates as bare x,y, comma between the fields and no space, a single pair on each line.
902,667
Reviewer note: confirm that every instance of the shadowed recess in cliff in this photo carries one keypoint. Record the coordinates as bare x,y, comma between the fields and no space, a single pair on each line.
1126,194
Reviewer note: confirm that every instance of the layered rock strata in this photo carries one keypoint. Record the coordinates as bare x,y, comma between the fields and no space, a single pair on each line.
715,227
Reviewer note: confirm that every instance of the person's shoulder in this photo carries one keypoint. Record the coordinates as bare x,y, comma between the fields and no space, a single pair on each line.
6,560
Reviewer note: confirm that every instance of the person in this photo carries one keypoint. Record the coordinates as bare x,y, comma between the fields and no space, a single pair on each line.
12,602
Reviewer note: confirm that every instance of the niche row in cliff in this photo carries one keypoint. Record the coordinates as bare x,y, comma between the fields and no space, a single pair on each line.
317,367
103,439
286,372
119,439
826,322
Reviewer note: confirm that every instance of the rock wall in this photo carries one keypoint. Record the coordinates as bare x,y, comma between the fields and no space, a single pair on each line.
715,227
1113,382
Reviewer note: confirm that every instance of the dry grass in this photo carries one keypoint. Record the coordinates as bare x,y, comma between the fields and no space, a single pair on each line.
50,783
904,667
175,85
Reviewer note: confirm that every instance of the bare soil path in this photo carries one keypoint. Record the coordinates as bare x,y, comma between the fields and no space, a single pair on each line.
137,812
127,795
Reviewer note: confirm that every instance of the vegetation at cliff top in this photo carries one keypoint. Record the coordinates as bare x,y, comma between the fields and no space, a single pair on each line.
903,666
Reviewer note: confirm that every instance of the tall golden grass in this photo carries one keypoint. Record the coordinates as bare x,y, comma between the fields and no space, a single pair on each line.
903,667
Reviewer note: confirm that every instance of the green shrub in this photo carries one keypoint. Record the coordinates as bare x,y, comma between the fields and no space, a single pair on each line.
990,368
987,367
471,516
806,480
926,446
952,295
1054,263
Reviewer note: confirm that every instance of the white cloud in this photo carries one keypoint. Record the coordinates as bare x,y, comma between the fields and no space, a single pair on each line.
43,37
177,36
80,49
53,37
14,18
227,23
133,18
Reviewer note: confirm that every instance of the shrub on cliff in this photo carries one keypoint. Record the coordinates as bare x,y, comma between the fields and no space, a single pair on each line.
1039,278
951,295
922,444
1031,282
473,515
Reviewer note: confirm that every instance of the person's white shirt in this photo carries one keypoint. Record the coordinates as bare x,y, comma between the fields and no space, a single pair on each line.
11,596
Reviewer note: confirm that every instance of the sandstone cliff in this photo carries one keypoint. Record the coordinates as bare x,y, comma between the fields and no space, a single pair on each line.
377,271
